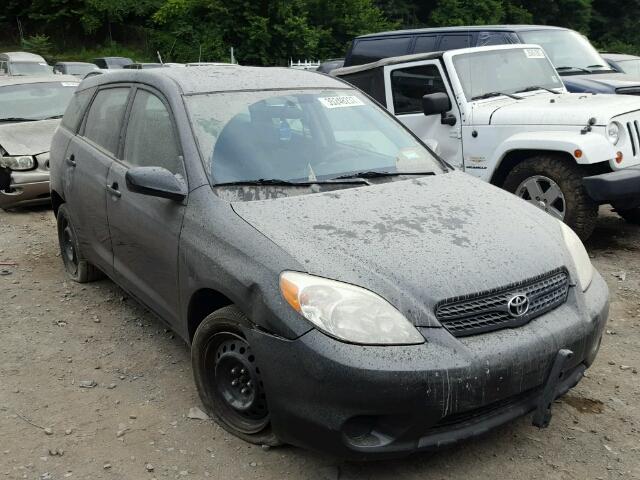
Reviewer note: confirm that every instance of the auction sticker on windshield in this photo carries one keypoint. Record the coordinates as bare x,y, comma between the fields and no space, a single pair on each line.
534,53
340,101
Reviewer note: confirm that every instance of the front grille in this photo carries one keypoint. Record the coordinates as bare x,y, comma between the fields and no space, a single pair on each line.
488,311
633,129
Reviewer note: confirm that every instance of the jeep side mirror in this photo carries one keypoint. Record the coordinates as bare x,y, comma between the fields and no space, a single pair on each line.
155,182
438,103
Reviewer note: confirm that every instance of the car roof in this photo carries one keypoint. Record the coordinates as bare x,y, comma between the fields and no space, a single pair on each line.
477,28
74,63
616,57
387,61
21,80
22,57
229,78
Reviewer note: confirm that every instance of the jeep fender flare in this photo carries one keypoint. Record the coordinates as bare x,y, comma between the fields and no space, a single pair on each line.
595,148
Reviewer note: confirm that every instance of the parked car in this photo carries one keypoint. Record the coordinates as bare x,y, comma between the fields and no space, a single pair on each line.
623,63
30,111
77,69
22,64
140,66
108,63
501,113
341,287
579,64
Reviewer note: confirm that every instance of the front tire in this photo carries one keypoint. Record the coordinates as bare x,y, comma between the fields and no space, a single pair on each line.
75,264
554,184
228,377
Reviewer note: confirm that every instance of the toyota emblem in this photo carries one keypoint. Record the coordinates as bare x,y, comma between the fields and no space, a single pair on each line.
518,305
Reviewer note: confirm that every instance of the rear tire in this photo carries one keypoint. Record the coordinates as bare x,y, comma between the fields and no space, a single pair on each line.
228,377
631,215
75,264
571,204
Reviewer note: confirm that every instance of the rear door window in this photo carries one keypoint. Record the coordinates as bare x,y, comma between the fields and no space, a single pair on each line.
409,85
452,42
104,120
425,44
365,51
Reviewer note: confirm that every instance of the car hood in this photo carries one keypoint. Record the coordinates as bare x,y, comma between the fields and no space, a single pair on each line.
414,242
600,82
27,138
549,109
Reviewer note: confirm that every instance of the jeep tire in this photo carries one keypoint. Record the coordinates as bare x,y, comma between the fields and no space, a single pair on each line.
578,210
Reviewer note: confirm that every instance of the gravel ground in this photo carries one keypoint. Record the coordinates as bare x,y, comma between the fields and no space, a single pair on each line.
92,386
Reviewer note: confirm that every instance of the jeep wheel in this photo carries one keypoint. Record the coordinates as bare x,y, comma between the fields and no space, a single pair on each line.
554,184
76,266
631,215
228,377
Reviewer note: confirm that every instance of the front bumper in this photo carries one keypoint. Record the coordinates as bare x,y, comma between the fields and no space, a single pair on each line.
25,188
366,402
620,188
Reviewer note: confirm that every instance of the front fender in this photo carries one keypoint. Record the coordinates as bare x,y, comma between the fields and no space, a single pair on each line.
595,148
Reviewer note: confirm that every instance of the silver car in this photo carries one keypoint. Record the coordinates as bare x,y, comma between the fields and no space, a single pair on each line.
30,111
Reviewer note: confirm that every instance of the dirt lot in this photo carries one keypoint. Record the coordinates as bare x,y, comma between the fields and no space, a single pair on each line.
57,338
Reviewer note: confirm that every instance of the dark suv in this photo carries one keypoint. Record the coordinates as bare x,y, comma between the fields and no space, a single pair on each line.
577,61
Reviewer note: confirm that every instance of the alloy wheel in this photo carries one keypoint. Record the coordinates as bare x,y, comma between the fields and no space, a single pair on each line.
545,194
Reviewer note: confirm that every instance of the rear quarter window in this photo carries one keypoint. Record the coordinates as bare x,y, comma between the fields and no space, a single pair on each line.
452,42
365,50
75,111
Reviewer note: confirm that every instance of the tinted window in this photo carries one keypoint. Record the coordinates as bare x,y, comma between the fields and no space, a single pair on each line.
492,38
451,42
76,108
100,62
150,140
104,120
409,85
365,51
425,44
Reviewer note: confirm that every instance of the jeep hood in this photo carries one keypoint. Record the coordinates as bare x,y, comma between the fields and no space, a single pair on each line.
549,109
27,138
414,242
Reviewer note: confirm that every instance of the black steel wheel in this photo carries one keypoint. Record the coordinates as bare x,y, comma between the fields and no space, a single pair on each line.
229,379
76,266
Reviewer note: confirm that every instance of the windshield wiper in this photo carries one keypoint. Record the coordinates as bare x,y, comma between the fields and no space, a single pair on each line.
374,174
495,94
286,183
17,119
574,68
533,88
52,117
607,67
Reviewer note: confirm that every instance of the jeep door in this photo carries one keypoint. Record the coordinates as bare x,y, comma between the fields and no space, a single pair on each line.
405,85
144,229
86,165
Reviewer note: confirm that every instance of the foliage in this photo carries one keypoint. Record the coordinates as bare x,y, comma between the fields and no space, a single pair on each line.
267,32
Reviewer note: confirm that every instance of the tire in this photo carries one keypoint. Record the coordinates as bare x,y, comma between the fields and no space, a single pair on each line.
631,215
77,267
223,367
579,211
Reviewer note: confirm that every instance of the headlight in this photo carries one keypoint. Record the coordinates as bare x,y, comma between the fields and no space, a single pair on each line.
17,163
613,132
580,257
347,312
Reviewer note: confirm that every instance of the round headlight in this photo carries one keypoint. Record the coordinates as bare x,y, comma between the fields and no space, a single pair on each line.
613,132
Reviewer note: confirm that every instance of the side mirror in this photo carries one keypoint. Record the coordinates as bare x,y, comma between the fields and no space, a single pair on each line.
438,103
155,182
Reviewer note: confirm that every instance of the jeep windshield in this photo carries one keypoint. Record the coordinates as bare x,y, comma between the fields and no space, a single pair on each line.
305,137
35,101
503,72
570,52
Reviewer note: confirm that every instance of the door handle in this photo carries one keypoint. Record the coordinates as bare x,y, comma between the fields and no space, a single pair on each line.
71,160
113,189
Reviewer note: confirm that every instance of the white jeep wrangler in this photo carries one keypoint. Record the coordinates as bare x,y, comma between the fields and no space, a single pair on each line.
502,113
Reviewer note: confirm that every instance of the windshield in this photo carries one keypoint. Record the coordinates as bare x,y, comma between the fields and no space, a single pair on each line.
504,70
29,68
35,101
568,50
630,66
302,135
80,69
